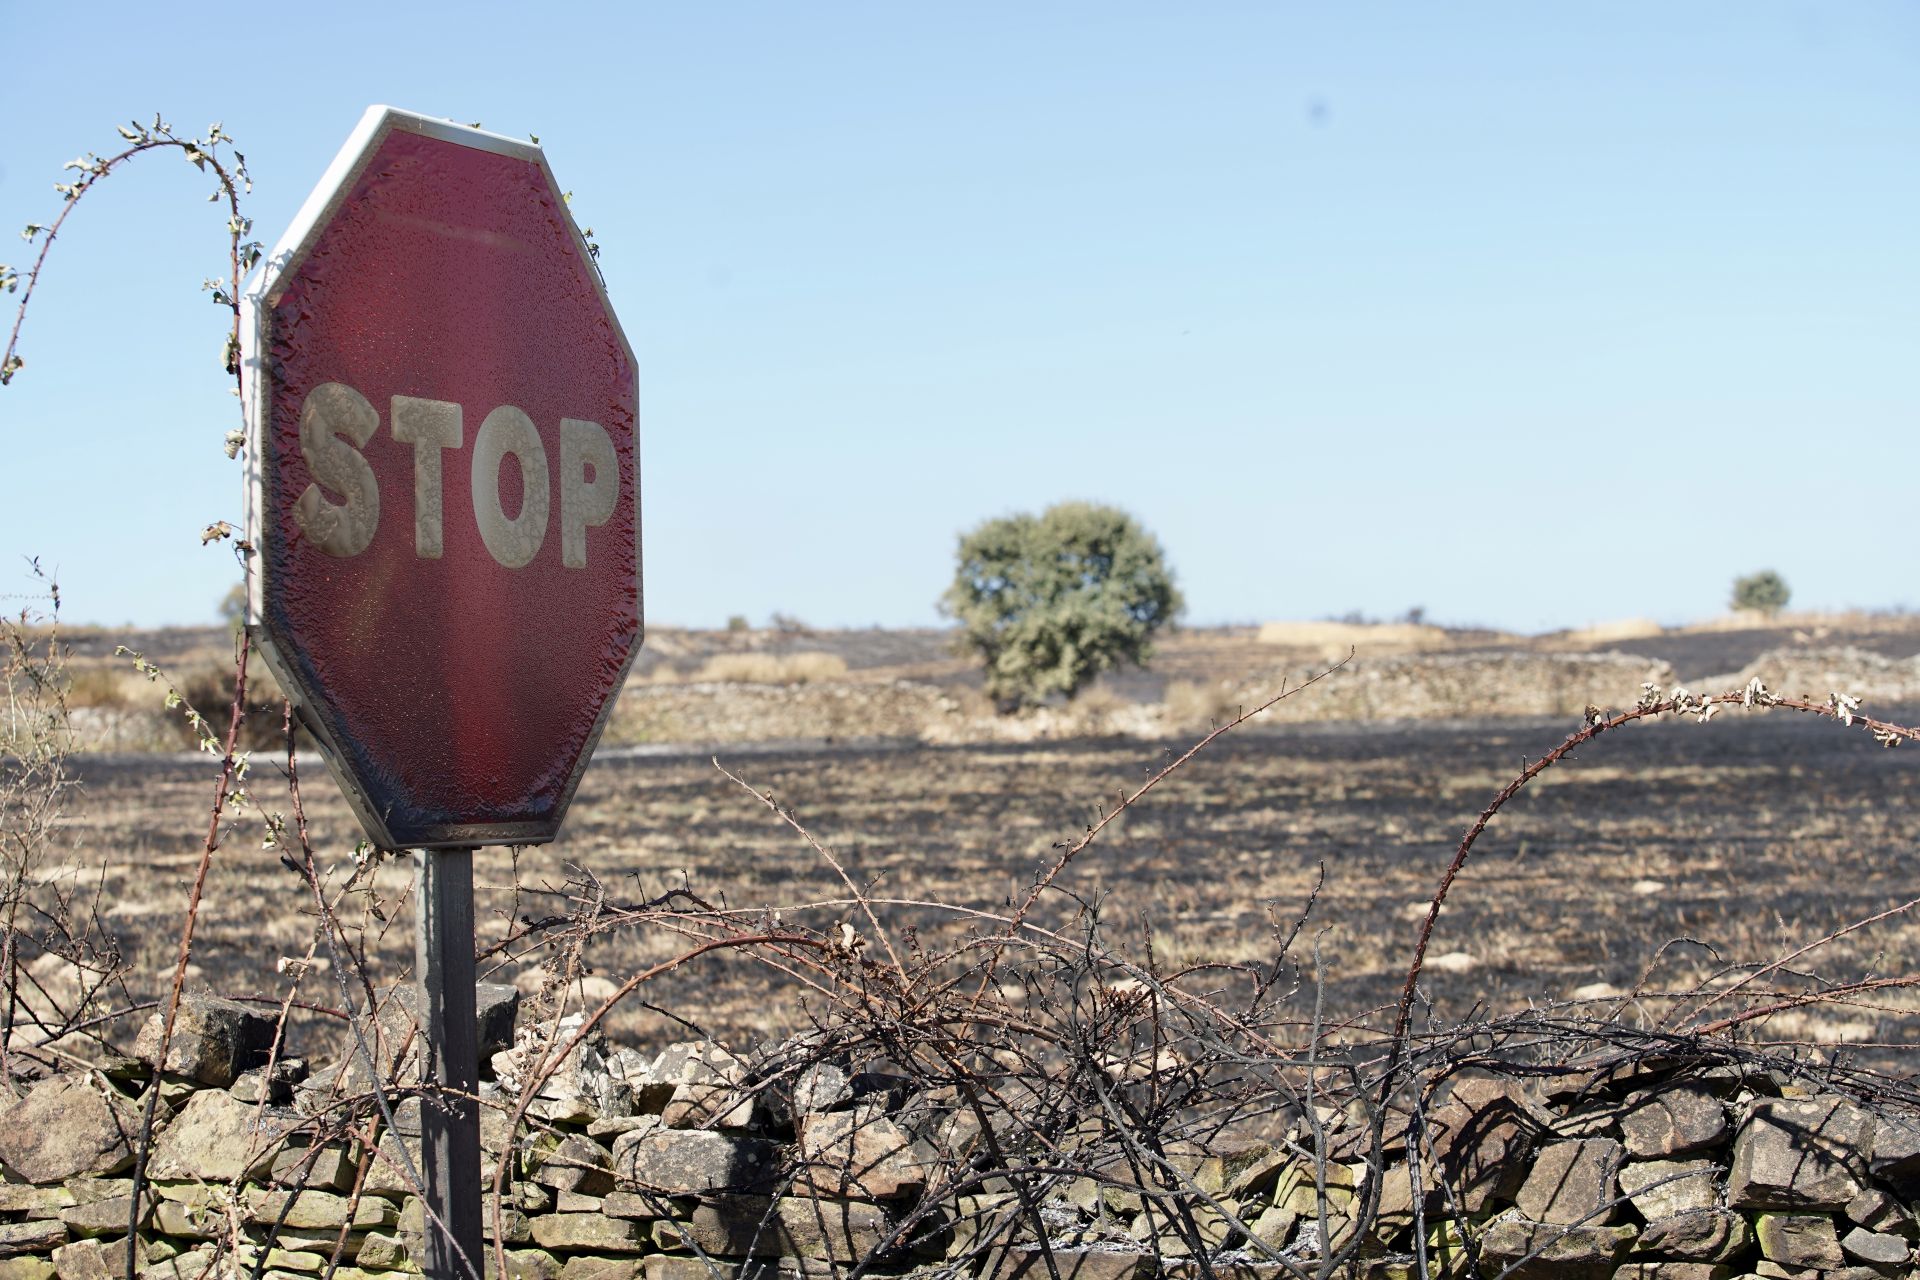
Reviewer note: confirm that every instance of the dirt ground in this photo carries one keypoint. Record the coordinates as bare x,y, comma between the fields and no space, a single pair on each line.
1748,837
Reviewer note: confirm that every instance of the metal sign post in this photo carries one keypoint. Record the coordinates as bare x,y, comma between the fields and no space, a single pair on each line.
449,1134
443,505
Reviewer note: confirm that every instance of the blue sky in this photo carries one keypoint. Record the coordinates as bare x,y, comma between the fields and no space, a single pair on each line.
1530,315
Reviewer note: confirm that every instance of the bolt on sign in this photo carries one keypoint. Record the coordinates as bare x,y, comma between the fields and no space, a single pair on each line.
443,484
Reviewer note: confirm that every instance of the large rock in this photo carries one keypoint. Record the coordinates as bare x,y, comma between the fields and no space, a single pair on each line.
1799,1240
589,1232
846,1154
216,1138
576,1164
709,1086
1553,1251
1876,1249
589,1084
1800,1153
692,1161
108,1217
1703,1235
97,1259
66,1127
1572,1182
1896,1153
214,1040
1673,1121
821,1086
1028,1263
762,1227
1662,1188
31,1237
1480,1140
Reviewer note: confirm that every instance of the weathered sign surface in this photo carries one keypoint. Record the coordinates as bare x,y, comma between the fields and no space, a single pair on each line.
444,487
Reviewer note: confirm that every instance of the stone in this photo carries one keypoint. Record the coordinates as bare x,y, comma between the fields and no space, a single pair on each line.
1481,1150
272,1083
191,1265
1572,1182
26,1268
31,1237
578,1232
821,1087
578,1088
1896,1153
88,1190
1673,1121
614,1126
316,1168
1554,1251
527,1264
1664,1269
1800,1153
1799,1240
217,1138
1875,1210
601,1269
1663,1188
708,1086
513,1224
1875,1249
693,1162
66,1127
387,1170
765,1227
214,1040
874,1159
496,1006
97,1259
104,1217
194,1221
318,1210
576,1164
35,1202
576,1202
1073,1264
1700,1235
1274,1227
627,1204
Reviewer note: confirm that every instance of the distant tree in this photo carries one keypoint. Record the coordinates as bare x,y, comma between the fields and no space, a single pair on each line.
1763,592
1049,602
233,607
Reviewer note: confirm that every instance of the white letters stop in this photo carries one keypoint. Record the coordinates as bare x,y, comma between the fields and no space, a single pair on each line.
336,422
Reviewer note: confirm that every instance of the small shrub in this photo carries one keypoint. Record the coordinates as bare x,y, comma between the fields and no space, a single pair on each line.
233,608
1050,602
1764,592
1199,704
771,668
738,623
209,690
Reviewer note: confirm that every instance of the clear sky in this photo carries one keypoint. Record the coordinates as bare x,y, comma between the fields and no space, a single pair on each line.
1531,315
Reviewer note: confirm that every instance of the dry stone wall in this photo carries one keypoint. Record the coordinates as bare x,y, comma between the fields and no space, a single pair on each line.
693,1162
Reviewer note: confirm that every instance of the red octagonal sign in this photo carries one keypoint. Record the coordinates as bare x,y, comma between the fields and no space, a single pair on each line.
443,484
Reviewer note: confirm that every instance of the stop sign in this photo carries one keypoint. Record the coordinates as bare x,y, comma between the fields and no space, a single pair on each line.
443,484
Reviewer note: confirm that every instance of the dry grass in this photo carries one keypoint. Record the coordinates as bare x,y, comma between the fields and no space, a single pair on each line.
1616,631
1198,705
1334,639
771,668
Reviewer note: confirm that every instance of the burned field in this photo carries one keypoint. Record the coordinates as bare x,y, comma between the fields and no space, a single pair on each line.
1663,855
